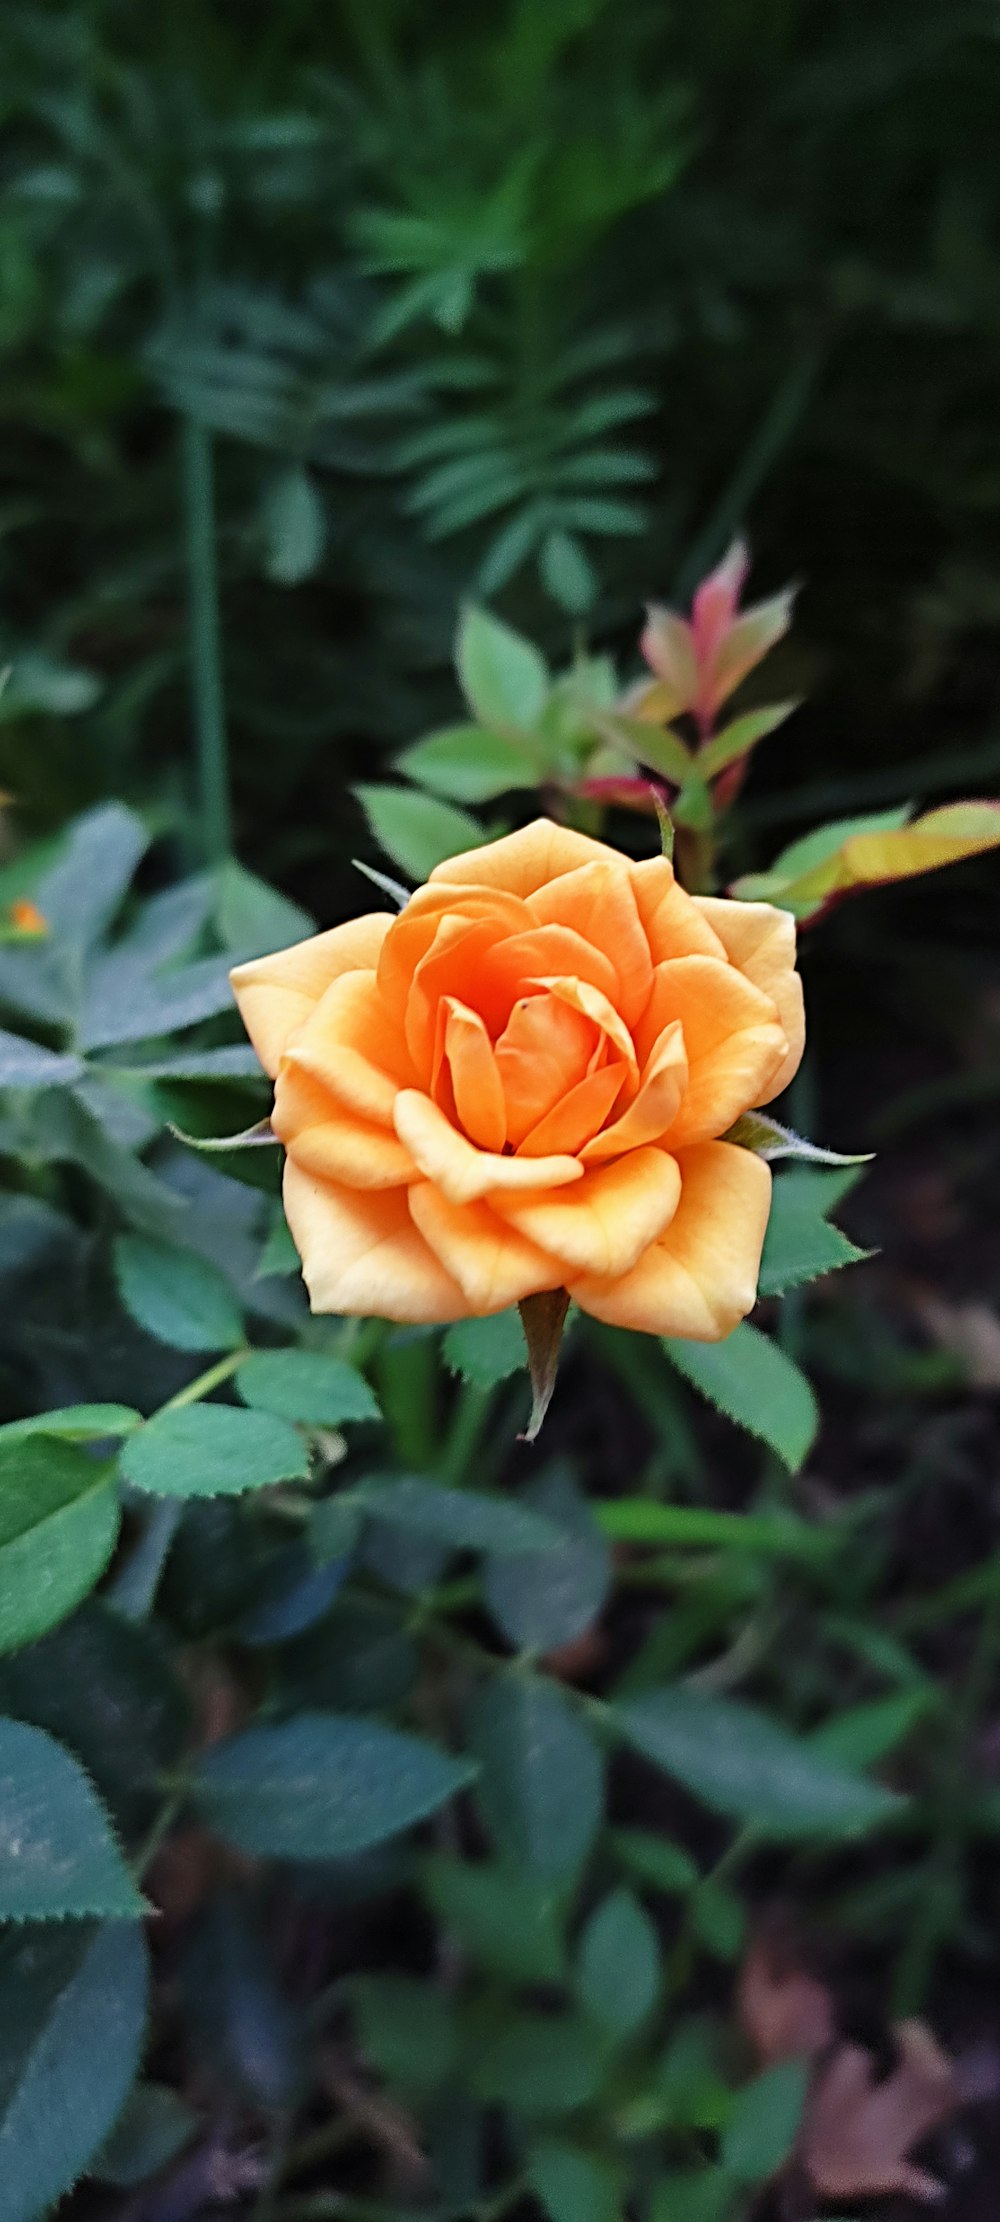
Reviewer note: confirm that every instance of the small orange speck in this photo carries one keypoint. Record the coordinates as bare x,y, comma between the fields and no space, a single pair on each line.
27,917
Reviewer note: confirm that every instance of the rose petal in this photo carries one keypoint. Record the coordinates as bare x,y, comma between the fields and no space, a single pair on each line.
547,950
524,861
461,1172
733,1038
603,1225
412,933
672,920
277,994
654,1107
543,1052
493,1263
327,1140
349,1045
760,941
362,1253
476,1085
598,902
581,996
579,1114
700,1278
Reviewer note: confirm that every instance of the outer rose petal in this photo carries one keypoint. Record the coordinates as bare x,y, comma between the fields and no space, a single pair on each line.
700,1279
276,994
733,1039
671,918
362,1253
461,1172
761,941
323,1138
524,861
603,1225
599,903
493,1263
349,1046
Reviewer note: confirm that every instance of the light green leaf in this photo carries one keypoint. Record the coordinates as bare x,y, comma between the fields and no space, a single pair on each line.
417,831
656,1860
58,1858
322,1786
177,1295
511,1924
657,746
252,917
213,1450
541,2065
504,679
463,1519
755,1383
705,2194
864,1734
294,526
541,1778
306,1386
694,1527
747,1766
764,2122
567,572
486,1351
465,763
71,2032
799,1245
59,1518
619,1970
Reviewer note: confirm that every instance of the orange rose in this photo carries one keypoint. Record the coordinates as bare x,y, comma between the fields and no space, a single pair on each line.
519,1083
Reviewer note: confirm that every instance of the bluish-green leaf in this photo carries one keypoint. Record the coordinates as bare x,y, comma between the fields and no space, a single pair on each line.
574,2185
294,527
323,1786
545,1598
155,2126
486,1351
619,1968
25,1064
177,1295
509,1923
72,2023
213,1450
749,1767
462,1519
81,893
59,1517
306,1386
58,1857
752,1380
541,1780
799,1244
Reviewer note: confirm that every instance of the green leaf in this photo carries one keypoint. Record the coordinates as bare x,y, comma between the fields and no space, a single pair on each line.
463,1519
541,2064
252,917
57,1854
59,1518
704,2194
764,2122
407,2031
694,1527
213,1450
752,1380
103,1687
567,572
757,1131
74,1423
177,1295
504,679
510,1924
25,1064
322,1786
657,1861
486,1351
155,2126
799,1244
72,2024
465,763
306,1386
548,1597
741,735
83,890
619,1969
294,527
573,2185
864,1734
541,1778
748,1767
656,746
417,831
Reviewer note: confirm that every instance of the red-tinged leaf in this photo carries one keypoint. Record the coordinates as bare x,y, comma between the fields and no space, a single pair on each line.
870,855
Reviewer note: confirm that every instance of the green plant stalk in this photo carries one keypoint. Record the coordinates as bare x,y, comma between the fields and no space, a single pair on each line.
208,696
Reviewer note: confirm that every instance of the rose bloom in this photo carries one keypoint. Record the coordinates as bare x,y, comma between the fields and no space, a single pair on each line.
519,1084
